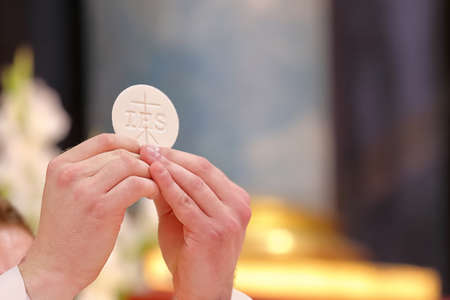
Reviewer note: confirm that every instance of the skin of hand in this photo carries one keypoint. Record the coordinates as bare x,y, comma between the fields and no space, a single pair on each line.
87,191
203,216
14,244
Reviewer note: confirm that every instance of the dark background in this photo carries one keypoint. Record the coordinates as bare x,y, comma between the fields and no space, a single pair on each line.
390,99
391,89
54,31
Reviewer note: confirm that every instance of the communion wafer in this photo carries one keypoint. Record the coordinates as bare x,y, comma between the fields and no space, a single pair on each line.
146,114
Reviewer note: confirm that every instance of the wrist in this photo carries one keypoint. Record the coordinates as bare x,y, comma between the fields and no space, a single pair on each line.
205,292
199,296
43,283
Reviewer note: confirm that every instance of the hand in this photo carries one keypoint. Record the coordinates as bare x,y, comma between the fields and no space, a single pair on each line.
87,191
203,217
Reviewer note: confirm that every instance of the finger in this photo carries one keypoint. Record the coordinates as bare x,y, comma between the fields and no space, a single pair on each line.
129,191
162,207
222,186
91,166
193,185
98,144
118,169
184,208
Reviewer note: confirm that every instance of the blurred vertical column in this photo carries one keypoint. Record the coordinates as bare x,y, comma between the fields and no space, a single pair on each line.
54,31
389,98
56,38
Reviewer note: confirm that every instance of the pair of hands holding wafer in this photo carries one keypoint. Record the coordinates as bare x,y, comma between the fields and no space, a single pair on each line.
203,216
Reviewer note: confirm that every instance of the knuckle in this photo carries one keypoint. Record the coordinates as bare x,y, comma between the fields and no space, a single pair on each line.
132,184
119,153
106,140
133,163
67,175
203,164
216,234
53,166
162,176
183,201
127,159
97,209
244,195
224,232
140,186
135,183
245,213
197,184
232,227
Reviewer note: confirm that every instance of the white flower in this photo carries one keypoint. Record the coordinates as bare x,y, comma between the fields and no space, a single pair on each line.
28,132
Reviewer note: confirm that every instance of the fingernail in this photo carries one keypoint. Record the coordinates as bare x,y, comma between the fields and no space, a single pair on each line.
153,151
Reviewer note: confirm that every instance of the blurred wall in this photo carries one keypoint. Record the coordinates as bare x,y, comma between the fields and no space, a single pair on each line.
249,80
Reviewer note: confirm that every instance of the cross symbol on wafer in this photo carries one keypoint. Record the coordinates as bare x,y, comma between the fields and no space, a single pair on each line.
146,114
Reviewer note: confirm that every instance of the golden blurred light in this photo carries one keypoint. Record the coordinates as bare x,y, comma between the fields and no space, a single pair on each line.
320,279
156,273
279,241
292,255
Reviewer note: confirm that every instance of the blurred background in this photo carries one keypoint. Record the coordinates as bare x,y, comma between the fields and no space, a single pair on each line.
332,114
